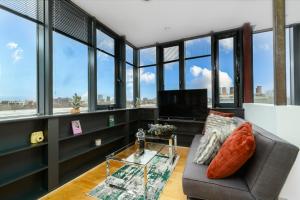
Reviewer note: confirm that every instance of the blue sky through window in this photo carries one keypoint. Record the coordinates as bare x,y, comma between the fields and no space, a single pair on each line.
171,76
105,78
148,82
18,67
70,67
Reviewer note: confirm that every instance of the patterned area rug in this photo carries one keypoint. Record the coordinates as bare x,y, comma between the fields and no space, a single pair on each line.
129,180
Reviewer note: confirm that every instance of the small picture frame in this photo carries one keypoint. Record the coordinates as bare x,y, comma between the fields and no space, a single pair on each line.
76,127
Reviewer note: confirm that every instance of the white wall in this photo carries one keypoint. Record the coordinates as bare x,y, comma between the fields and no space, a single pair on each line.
282,121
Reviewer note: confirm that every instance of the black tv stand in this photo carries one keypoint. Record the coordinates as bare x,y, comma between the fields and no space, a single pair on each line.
178,120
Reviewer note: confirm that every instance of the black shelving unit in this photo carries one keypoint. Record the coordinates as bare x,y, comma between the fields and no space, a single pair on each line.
31,170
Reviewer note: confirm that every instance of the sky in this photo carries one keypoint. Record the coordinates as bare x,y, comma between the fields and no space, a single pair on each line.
70,61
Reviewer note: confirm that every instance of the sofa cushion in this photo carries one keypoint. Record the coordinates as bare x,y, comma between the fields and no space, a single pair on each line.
223,114
224,124
197,185
234,153
208,147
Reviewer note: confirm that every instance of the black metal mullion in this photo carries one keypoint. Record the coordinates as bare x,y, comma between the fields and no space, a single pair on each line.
92,69
195,57
48,87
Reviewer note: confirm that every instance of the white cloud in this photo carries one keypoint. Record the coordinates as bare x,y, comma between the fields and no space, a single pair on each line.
202,78
147,77
226,44
17,53
129,78
170,66
12,45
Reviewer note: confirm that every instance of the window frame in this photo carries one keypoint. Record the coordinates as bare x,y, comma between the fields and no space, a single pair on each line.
135,69
162,63
201,56
115,56
237,58
156,65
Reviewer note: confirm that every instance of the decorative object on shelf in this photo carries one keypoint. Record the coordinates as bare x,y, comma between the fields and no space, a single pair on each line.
76,127
161,130
138,102
111,120
140,136
37,137
98,142
76,104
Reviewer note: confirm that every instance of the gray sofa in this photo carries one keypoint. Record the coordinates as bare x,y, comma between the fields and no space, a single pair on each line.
262,177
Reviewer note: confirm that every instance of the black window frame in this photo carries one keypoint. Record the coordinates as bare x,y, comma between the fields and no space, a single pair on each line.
237,56
116,67
156,65
162,63
135,71
201,56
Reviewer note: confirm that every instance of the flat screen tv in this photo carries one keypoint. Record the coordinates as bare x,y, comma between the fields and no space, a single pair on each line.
183,104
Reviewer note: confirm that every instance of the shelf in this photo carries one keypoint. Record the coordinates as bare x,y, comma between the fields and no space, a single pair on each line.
92,131
88,149
21,148
182,121
19,176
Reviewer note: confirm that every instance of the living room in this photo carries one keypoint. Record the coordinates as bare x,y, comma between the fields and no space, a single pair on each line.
149,99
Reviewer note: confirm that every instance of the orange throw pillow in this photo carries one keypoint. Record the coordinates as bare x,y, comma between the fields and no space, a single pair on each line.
223,114
234,153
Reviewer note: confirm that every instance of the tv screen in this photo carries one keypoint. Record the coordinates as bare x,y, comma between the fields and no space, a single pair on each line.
185,104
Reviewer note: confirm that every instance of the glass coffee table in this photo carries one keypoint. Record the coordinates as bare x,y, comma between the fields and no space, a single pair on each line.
127,156
169,139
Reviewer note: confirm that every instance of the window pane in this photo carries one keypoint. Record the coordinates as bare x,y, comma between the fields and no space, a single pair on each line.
197,47
129,86
171,76
198,75
129,54
171,53
148,56
226,70
148,86
105,79
70,73
263,67
105,42
18,68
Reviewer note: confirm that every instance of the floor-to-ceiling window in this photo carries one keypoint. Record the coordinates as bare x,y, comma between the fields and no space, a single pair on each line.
147,77
198,70
105,69
226,65
263,67
70,73
18,65
129,76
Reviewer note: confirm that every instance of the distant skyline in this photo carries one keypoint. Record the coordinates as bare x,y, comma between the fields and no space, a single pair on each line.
18,67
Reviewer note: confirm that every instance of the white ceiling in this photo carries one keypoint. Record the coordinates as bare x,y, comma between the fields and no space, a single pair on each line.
147,22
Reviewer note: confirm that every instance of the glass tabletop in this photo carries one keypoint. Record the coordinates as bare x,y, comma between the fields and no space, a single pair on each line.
129,153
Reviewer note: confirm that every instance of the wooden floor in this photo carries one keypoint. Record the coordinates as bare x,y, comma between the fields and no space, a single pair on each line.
77,188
